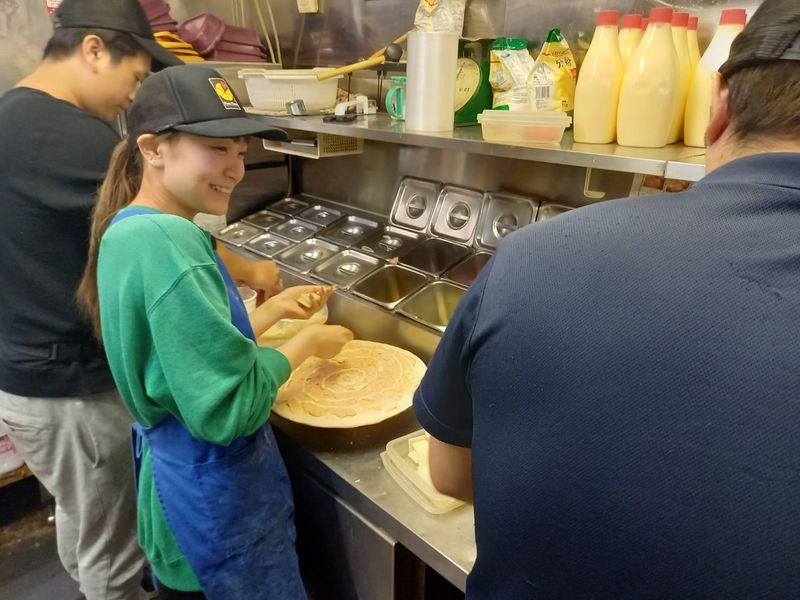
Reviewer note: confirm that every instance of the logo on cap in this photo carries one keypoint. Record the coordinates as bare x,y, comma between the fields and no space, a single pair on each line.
224,93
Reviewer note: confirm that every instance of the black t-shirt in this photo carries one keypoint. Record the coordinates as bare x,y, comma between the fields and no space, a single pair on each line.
53,157
627,377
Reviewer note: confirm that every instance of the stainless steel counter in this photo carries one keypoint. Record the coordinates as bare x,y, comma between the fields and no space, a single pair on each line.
348,463
675,158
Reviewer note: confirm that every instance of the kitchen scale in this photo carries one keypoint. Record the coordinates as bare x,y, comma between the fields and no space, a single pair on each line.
473,90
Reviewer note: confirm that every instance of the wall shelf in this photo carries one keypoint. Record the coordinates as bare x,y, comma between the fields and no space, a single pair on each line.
676,160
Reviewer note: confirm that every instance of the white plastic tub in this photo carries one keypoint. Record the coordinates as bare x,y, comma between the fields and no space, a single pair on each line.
523,127
272,89
406,471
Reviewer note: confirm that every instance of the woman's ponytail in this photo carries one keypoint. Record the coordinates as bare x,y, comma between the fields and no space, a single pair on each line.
122,183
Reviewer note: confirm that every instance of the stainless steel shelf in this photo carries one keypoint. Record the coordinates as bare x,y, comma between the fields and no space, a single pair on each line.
676,158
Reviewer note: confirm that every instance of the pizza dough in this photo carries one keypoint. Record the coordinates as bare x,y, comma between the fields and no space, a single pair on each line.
365,383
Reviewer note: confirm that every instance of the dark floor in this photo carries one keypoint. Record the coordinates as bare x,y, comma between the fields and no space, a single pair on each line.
29,564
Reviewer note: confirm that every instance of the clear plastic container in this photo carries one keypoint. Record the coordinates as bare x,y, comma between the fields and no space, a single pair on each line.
404,470
523,127
272,89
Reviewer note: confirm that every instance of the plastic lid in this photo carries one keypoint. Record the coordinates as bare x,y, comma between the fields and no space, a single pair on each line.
607,17
680,19
632,21
733,16
661,15
692,23
645,23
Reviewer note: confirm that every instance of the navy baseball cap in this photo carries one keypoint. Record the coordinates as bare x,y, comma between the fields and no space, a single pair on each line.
124,16
772,34
195,99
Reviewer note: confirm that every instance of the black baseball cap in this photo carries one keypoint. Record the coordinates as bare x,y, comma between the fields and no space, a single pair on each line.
772,34
195,99
125,16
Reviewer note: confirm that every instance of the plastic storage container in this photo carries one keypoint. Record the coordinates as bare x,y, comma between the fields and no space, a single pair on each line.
271,90
523,127
406,465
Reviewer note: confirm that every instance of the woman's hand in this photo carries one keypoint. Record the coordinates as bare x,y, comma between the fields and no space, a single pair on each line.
327,340
264,275
297,302
324,341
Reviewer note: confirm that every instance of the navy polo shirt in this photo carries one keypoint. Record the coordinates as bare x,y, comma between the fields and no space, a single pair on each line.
628,378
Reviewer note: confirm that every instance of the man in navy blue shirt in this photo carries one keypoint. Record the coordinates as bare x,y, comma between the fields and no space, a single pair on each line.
620,388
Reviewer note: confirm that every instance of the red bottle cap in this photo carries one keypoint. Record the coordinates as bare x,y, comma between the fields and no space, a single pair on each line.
607,17
733,16
680,19
632,21
661,15
692,24
645,23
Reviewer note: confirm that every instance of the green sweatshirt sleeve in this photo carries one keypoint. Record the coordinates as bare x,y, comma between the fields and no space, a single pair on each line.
221,383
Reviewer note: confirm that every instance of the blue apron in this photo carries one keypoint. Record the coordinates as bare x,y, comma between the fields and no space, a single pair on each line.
230,508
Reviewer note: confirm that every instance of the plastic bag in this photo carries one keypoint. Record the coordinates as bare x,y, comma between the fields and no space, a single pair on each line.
551,85
510,66
440,15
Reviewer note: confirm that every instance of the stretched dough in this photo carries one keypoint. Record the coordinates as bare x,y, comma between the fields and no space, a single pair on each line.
366,383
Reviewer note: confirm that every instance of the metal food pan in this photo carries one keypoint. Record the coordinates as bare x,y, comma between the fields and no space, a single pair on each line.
296,230
391,242
238,234
465,272
433,305
267,244
390,285
264,219
346,268
307,254
435,256
349,231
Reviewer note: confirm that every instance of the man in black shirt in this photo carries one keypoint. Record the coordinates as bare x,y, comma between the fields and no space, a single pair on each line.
57,396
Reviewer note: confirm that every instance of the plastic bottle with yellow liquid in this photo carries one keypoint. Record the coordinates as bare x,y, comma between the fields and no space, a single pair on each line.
680,22
694,46
698,104
630,34
599,81
650,86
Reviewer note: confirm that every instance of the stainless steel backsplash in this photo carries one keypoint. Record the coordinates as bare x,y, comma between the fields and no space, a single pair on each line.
346,30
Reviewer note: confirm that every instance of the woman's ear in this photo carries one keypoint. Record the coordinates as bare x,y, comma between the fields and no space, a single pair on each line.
150,147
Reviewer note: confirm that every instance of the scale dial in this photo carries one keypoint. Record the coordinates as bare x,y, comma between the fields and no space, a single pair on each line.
468,80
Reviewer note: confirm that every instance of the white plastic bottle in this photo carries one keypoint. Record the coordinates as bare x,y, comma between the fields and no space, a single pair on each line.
650,86
599,82
630,34
694,46
698,104
680,22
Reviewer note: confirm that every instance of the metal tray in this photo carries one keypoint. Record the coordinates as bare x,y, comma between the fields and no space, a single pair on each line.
307,254
456,214
434,256
391,242
320,214
548,210
349,231
414,204
346,268
264,219
501,215
433,305
465,272
296,230
238,234
289,206
389,285
267,244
